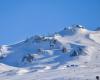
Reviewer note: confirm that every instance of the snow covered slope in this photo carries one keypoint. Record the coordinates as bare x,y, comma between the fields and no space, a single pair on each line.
72,49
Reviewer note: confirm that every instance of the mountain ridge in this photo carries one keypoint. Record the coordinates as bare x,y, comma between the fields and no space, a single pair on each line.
61,48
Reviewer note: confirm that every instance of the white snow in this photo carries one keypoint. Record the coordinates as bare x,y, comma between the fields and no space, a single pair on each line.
95,37
22,71
43,58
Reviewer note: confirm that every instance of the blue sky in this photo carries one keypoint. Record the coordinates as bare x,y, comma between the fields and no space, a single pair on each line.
20,19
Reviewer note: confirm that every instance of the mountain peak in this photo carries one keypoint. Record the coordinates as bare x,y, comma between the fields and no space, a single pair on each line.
69,43
77,26
72,30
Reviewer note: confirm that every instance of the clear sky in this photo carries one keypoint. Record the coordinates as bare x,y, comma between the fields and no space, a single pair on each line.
20,19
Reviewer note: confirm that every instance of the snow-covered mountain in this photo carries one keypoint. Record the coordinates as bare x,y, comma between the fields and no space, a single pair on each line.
73,47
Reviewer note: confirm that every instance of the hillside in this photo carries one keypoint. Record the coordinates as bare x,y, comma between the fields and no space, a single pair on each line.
74,50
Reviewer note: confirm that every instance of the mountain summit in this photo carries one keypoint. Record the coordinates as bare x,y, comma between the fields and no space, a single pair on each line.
70,54
74,44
